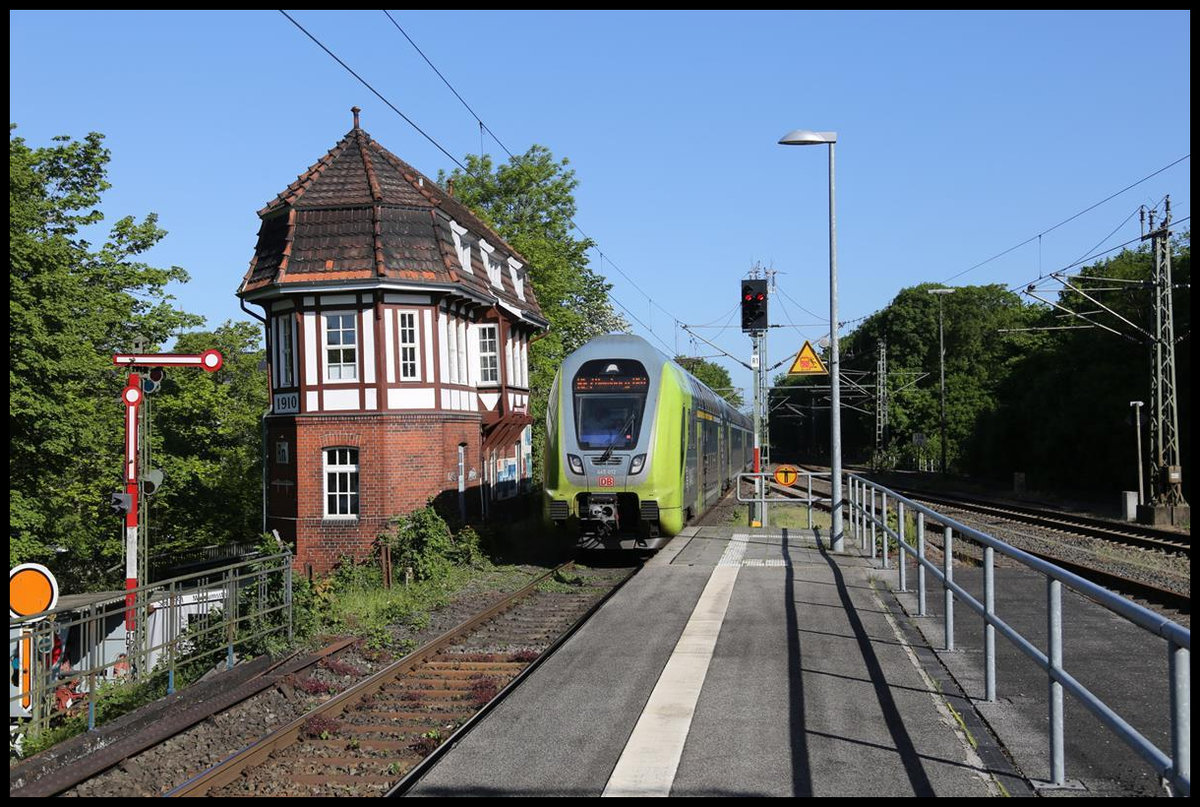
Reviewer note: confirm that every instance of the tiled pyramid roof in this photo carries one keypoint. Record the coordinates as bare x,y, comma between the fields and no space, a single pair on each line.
361,214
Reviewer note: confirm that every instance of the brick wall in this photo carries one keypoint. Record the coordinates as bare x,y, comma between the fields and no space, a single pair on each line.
404,460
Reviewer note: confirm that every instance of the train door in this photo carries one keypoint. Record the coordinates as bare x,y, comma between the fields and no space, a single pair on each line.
690,466
711,459
724,430
701,465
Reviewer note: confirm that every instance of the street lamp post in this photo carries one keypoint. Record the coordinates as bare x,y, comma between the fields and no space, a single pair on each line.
803,137
942,367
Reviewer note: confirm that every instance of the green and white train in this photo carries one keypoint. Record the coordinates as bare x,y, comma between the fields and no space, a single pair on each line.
636,446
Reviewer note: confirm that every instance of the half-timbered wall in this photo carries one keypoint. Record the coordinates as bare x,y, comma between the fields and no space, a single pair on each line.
343,352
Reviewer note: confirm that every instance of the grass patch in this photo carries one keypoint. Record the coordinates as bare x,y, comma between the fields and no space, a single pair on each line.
792,516
562,582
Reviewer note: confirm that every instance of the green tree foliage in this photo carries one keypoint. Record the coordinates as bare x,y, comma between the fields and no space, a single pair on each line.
979,356
530,201
71,307
978,359
1066,421
714,375
207,439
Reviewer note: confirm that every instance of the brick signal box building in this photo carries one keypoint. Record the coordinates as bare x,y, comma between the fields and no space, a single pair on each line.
398,331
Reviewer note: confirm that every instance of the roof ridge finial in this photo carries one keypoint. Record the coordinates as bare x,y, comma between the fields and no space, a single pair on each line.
355,110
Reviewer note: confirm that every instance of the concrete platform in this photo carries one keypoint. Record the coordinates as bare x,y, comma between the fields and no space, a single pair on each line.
736,664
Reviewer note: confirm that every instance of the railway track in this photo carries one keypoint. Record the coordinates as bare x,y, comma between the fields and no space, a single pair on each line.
1141,562
85,755
1134,535
381,734
165,744
1138,575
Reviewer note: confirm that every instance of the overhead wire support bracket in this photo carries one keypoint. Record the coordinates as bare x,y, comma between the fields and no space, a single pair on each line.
1088,297
1032,293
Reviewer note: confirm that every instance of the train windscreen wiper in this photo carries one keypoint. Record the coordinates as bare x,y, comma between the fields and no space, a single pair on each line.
628,424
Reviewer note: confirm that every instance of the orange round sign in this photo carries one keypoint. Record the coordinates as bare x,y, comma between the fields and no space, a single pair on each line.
31,590
786,475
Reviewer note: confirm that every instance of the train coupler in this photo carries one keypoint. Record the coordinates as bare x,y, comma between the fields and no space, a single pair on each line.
602,513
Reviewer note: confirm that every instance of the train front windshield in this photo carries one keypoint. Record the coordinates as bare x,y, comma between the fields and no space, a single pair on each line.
610,398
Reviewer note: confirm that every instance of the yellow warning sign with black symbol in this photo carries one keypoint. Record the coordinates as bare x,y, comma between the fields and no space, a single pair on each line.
808,362
786,475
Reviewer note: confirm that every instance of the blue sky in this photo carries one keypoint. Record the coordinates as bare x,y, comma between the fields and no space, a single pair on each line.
960,136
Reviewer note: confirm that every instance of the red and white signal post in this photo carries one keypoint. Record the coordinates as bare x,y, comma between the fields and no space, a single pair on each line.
209,361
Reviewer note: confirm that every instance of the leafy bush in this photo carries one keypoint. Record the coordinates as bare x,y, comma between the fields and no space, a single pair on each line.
421,541
469,547
350,575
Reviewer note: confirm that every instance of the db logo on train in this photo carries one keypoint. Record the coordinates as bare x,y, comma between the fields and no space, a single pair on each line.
606,481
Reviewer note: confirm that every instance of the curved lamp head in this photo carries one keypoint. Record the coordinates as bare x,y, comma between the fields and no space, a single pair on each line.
803,137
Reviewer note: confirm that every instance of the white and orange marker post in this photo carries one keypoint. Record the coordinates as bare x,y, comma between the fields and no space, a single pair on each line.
32,589
210,361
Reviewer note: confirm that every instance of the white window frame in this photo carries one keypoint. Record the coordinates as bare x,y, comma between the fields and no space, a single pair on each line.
409,339
342,464
489,371
517,341
452,349
342,366
461,353
286,354
525,361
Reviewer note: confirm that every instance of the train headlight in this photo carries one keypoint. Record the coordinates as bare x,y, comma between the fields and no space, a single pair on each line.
575,463
637,463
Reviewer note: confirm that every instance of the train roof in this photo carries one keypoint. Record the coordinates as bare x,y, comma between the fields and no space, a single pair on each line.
635,347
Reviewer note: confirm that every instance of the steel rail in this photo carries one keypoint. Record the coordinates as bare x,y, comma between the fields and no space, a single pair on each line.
178,716
1142,538
228,770
413,776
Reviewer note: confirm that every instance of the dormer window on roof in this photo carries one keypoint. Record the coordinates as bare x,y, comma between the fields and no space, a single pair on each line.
461,246
517,276
491,265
